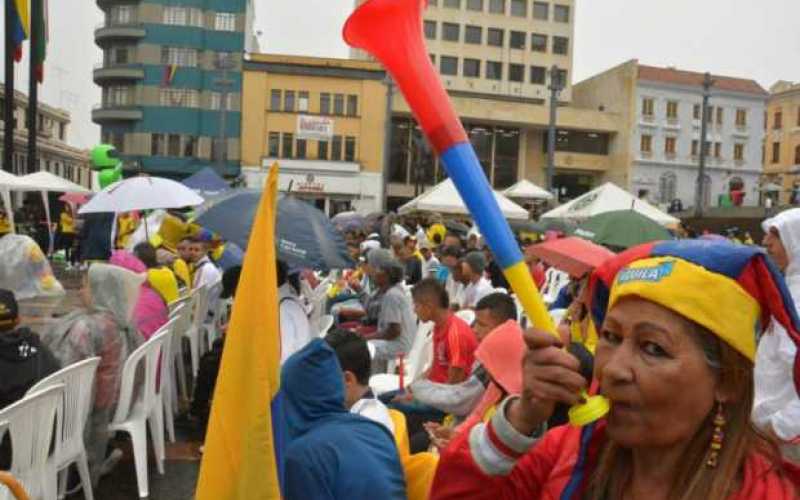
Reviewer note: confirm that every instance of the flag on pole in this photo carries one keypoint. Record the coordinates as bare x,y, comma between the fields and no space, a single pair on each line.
241,457
169,75
21,30
40,47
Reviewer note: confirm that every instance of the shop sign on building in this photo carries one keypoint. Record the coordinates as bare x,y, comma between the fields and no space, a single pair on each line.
318,128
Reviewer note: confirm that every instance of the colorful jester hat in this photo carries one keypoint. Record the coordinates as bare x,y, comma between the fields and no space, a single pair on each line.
732,290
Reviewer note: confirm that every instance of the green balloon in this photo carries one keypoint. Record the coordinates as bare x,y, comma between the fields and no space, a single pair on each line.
110,176
104,156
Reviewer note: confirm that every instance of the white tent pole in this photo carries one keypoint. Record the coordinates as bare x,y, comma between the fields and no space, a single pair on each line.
46,202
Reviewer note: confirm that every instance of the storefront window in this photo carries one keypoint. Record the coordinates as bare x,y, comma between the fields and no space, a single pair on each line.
481,140
579,142
505,157
401,136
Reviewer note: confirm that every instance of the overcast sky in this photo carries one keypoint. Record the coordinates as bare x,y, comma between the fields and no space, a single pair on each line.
758,40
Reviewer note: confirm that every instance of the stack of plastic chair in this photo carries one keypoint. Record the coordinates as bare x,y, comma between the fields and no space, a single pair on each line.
141,405
325,324
210,326
419,357
166,382
195,332
182,310
30,423
78,382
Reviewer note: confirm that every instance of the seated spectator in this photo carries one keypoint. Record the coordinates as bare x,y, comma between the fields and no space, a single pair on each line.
353,355
331,453
101,328
295,327
405,251
181,266
496,276
430,264
396,324
477,286
23,362
534,264
449,272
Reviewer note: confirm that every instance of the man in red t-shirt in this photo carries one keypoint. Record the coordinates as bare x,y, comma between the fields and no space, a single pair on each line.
454,342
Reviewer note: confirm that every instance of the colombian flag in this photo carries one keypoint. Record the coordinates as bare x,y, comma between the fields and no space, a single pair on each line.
241,455
21,22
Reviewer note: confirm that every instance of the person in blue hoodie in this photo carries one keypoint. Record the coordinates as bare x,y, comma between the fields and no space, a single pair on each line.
329,452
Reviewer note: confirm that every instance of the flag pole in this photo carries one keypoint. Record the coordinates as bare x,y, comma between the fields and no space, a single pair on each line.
8,115
33,85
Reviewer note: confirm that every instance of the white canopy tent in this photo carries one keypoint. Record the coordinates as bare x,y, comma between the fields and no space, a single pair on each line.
45,181
9,182
444,199
526,190
607,198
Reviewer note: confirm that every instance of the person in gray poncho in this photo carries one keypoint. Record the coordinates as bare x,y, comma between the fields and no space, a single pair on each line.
101,329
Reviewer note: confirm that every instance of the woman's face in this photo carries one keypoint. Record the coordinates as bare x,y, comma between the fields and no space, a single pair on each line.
652,368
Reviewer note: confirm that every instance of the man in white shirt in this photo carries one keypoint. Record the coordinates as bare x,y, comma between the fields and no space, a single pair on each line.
478,286
430,264
205,272
354,360
295,327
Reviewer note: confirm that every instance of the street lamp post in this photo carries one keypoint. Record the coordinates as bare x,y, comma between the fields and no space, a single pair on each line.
556,85
701,171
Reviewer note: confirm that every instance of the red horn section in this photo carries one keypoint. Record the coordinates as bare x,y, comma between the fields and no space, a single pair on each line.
391,30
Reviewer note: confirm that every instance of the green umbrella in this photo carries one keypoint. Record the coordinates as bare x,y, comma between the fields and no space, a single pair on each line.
622,229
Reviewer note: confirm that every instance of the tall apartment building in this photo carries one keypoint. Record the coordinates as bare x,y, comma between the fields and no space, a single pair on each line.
662,109
782,141
166,66
54,153
493,57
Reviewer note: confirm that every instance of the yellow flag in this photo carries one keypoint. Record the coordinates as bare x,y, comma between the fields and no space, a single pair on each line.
239,461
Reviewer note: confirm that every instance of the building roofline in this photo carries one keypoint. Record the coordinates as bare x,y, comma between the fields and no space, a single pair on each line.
690,79
43,107
319,62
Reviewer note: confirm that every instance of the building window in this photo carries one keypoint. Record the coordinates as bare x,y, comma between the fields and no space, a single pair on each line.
519,8
667,184
696,112
494,70
473,34
741,117
301,148
188,147
669,146
352,105
717,150
778,123
288,145
302,101
176,16
225,21
275,100
472,68
452,4
720,115
448,65
322,150
497,6
350,149
648,106
516,73
338,104
157,146
179,56
174,145
538,42
798,117
430,30
561,14
561,78
797,155
776,152
646,145
494,37
196,18
433,59
738,152
517,40
274,145
184,98
541,11
476,5
118,95
324,104
451,32
336,148
288,101
62,131
672,110
560,45
538,75
121,14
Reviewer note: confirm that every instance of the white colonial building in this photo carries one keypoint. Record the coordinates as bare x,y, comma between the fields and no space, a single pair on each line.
666,138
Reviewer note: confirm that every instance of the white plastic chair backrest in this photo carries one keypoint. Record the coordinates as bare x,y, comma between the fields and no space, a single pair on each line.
30,425
421,352
174,305
468,315
558,315
182,312
78,382
200,311
500,289
146,393
325,324
549,276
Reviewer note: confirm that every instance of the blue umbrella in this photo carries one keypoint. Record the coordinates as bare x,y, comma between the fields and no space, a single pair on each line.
207,182
305,236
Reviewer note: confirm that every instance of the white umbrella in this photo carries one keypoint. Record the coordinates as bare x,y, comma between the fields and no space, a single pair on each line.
141,193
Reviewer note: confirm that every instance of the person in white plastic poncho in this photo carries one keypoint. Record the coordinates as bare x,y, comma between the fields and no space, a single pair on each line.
776,410
102,329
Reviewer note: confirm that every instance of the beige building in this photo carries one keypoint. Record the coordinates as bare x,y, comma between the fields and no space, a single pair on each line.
55,155
782,142
323,120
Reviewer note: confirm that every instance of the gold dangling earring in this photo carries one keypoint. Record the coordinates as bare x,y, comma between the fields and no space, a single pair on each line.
717,437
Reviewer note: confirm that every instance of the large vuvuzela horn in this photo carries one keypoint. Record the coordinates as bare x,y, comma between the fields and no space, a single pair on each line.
391,30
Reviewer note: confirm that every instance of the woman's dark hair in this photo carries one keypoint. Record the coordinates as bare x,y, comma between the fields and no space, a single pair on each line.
284,276
147,254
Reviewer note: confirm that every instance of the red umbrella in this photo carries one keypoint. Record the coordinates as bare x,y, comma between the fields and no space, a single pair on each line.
74,198
573,255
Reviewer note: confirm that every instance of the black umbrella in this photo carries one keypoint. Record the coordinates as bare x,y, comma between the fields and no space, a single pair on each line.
305,236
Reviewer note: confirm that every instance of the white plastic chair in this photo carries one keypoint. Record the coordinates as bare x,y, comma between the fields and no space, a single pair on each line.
221,317
78,382
419,358
199,298
325,324
468,315
214,303
141,405
181,329
166,387
31,422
